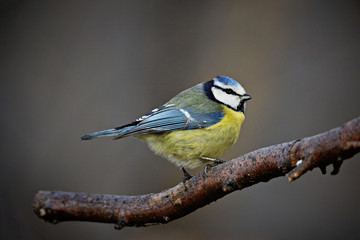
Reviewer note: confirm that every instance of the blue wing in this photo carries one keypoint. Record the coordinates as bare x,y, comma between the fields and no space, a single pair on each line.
162,119
168,118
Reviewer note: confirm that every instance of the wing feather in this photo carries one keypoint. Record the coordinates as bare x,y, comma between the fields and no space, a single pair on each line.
169,118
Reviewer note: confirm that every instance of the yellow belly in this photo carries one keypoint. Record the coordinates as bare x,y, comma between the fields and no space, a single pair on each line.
186,147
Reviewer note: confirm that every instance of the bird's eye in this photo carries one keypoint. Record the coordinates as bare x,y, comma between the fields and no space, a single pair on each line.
229,91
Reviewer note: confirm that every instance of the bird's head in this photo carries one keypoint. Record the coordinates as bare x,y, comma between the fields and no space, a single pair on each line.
227,91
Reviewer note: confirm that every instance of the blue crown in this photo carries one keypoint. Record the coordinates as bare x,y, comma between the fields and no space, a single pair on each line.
227,80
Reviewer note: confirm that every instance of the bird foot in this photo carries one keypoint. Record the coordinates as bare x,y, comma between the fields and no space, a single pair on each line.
214,163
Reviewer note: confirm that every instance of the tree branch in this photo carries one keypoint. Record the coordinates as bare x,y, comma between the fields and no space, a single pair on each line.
293,158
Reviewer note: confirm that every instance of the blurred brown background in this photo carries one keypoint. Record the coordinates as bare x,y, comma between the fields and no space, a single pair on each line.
72,67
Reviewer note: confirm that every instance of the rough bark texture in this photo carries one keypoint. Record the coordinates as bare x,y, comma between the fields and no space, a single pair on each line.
293,158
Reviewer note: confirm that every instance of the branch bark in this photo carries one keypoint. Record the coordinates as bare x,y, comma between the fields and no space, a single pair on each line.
293,158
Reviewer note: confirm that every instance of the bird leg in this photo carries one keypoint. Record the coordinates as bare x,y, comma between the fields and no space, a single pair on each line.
187,175
214,160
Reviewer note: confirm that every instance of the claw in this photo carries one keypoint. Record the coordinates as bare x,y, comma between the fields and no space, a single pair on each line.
207,166
214,163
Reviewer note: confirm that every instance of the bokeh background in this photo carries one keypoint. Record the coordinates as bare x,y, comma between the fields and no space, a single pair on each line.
72,67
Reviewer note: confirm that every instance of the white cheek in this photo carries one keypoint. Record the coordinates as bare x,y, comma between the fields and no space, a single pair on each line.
228,99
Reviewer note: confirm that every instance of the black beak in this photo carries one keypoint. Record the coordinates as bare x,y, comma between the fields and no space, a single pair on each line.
245,97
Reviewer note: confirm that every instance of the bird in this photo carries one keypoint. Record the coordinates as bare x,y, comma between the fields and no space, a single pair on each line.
195,127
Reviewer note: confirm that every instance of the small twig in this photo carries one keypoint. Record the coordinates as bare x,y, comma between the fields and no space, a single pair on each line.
295,157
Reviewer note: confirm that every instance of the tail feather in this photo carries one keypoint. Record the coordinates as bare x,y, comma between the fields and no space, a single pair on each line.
104,133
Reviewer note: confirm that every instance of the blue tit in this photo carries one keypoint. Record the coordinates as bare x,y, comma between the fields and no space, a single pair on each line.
193,128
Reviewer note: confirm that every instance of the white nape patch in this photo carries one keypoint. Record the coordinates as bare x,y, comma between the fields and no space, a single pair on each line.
228,99
238,89
187,114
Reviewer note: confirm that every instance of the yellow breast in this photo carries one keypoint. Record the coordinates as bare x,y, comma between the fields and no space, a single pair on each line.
185,147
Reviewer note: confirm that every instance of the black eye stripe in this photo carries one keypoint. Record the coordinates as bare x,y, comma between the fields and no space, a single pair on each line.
227,90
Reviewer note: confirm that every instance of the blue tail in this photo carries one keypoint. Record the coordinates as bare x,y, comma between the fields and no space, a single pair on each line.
105,133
